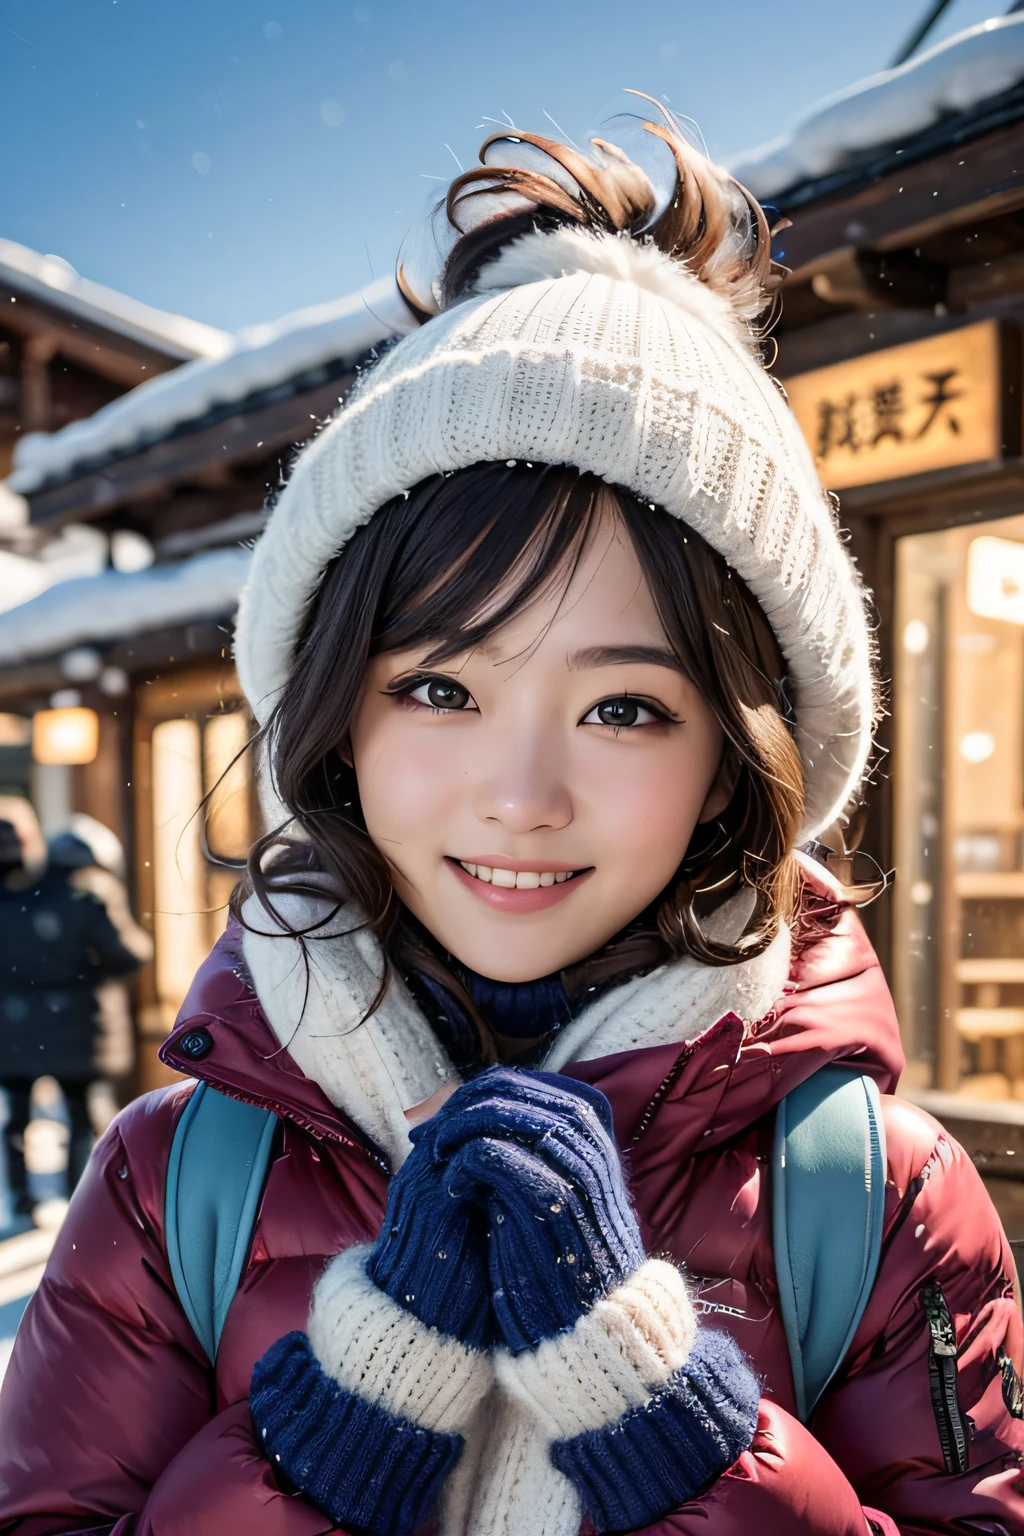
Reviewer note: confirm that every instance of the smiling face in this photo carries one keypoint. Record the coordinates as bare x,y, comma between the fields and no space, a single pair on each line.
535,794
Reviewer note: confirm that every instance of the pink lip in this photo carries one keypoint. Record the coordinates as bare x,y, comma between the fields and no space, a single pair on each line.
503,900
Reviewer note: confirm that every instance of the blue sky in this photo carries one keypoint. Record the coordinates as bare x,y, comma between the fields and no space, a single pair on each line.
234,159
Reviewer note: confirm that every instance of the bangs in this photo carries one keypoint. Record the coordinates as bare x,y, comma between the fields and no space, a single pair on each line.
472,551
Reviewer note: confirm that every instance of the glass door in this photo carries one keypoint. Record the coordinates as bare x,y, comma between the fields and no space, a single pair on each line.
958,770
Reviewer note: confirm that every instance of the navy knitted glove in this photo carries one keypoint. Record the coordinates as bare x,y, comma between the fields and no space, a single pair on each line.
366,1411
640,1407
431,1255
537,1151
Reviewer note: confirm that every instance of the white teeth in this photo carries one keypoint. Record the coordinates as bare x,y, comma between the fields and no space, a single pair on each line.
511,879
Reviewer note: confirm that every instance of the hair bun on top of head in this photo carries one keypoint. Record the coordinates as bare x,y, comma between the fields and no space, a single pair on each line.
702,218
591,311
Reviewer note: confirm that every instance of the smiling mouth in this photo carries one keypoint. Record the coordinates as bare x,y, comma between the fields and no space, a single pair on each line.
519,879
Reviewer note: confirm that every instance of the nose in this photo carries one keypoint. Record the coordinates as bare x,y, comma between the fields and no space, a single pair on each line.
521,782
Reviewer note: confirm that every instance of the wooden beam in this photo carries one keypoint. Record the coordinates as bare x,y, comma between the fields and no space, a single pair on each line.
122,359
29,679
970,493
190,458
206,640
904,206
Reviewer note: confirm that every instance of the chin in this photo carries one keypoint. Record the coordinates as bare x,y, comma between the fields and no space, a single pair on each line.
497,963
496,970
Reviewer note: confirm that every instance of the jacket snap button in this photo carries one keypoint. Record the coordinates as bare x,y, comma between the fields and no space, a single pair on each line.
196,1044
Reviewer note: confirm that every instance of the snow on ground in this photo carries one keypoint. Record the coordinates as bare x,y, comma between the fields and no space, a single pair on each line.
260,358
52,280
952,77
112,604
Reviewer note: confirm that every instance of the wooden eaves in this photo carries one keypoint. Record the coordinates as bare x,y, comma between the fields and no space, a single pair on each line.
246,434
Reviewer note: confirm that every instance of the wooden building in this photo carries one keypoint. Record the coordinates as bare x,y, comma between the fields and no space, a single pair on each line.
184,466
68,346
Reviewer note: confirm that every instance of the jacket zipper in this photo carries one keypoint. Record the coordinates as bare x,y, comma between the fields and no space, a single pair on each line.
659,1093
949,1420
1013,1389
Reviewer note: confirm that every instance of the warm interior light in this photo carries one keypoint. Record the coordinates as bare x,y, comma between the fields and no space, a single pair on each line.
227,774
179,883
995,579
916,637
977,746
65,736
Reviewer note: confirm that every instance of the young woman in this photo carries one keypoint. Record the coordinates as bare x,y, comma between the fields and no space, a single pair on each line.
560,659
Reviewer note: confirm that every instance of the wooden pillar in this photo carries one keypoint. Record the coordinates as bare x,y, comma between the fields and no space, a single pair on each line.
36,398
97,786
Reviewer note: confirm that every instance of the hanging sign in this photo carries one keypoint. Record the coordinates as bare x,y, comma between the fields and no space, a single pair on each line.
926,405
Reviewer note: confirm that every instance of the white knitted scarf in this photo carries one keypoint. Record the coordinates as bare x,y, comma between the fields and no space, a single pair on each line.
374,1069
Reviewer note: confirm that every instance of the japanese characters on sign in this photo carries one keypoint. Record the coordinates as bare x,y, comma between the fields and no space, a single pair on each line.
926,405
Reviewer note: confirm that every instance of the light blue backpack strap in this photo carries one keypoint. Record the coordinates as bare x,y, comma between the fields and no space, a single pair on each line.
218,1162
828,1191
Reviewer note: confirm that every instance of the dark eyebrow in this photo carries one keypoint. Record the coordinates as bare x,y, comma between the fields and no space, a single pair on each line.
618,655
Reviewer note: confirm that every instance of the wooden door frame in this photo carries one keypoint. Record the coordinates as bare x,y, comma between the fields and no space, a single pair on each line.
188,690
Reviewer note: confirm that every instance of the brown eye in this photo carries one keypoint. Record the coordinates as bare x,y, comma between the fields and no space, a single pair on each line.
618,712
621,713
441,693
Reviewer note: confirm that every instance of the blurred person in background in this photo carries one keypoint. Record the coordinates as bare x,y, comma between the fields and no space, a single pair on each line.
66,935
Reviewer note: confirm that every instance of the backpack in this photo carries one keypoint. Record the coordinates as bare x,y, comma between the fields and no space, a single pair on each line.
828,1193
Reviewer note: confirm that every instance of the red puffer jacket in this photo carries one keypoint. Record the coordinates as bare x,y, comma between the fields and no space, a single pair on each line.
112,1421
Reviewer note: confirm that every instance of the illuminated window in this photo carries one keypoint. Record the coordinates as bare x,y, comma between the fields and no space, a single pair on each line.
186,865
958,728
179,873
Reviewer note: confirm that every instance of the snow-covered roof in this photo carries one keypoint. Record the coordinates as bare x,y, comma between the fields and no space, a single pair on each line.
54,281
115,604
80,551
261,358
953,77
948,80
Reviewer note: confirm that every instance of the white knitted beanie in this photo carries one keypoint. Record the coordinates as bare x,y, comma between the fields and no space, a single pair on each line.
601,352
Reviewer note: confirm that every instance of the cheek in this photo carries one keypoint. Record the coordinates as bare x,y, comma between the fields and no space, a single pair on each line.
648,807
407,779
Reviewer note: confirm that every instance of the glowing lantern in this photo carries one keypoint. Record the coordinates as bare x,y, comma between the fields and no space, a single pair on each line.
65,736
